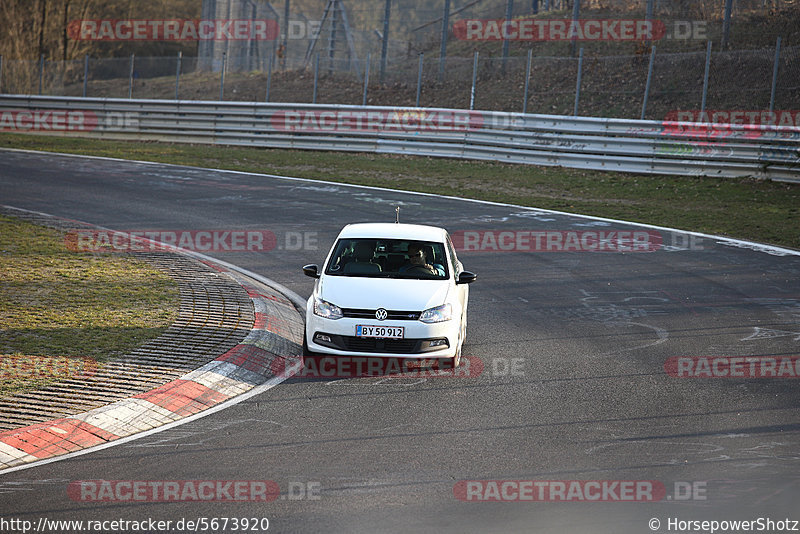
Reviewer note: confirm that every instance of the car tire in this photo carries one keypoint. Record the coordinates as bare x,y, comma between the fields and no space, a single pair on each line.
455,361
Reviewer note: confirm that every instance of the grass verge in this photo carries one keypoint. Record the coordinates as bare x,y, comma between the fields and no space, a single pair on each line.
768,212
63,313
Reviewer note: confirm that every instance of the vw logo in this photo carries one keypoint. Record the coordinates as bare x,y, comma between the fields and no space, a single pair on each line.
381,314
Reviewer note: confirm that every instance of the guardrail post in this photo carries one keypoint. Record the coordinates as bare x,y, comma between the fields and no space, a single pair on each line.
419,77
474,79
41,72
222,76
443,48
527,80
578,83
85,74
366,81
269,74
649,79
775,75
178,73
705,77
316,78
130,76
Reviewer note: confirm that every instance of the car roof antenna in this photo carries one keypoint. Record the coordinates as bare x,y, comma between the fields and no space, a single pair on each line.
397,215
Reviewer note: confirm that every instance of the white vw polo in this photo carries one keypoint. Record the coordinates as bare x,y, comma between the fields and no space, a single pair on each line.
389,290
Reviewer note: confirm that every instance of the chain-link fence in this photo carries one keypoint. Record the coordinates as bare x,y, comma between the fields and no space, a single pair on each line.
610,86
326,56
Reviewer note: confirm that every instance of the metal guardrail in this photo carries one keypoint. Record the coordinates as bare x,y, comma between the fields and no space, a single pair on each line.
769,152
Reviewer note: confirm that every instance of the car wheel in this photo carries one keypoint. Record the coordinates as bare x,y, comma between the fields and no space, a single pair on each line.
455,361
457,357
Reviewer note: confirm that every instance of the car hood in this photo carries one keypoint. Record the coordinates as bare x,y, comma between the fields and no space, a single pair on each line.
388,293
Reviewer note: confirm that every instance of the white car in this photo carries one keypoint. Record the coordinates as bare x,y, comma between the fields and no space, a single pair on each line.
389,290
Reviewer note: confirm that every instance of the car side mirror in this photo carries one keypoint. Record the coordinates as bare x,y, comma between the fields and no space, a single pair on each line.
466,277
311,270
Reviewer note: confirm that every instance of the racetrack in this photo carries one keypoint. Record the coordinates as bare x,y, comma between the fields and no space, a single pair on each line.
586,333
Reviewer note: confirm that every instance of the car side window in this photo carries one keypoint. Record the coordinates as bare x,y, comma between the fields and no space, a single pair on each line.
453,258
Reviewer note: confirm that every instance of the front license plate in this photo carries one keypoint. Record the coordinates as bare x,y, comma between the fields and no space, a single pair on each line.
392,332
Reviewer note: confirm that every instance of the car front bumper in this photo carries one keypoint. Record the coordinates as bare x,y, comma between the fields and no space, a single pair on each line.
421,340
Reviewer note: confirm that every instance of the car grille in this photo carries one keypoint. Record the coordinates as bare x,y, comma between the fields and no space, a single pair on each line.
359,344
395,315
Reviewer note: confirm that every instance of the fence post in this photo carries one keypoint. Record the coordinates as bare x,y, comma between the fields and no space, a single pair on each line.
443,48
285,42
178,74
775,75
527,80
85,74
419,76
509,14
222,76
269,74
1,74
705,77
726,24
578,82
385,44
649,79
576,7
130,77
41,72
316,76
366,82
474,79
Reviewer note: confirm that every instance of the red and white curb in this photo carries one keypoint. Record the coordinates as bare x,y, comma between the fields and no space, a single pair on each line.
277,333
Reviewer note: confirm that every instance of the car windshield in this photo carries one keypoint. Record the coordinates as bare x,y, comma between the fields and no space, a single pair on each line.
388,258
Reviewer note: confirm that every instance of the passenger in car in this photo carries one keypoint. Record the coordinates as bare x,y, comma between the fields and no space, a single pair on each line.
417,262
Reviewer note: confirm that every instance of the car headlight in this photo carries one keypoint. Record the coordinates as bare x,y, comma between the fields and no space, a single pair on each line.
437,314
326,309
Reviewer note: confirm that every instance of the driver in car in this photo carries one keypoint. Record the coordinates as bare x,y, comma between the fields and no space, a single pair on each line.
417,262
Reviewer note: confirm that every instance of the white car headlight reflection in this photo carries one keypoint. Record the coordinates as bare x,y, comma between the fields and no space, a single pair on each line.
327,310
438,314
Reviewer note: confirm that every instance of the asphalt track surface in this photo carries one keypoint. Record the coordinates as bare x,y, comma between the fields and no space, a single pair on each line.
589,399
